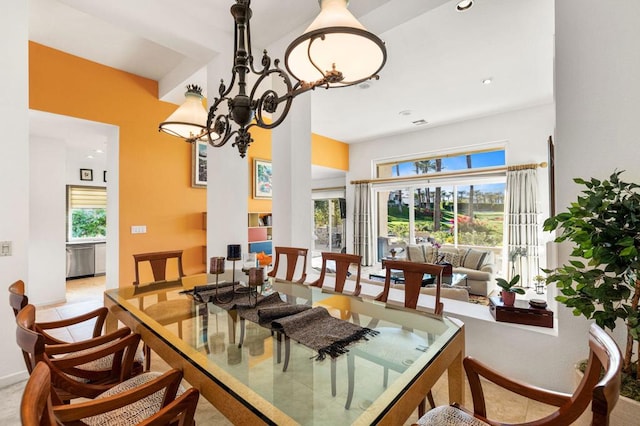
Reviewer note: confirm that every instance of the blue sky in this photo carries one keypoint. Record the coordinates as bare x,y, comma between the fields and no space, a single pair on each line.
481,159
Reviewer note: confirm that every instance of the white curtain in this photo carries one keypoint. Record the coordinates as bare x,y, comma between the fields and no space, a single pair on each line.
363,224
522,225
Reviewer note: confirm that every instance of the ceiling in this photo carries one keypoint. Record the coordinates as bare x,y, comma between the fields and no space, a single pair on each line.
437,57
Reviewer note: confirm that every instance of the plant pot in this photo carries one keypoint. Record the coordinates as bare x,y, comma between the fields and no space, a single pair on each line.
626,412
508,298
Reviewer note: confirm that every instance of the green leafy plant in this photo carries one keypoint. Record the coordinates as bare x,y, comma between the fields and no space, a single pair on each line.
601,281
510,286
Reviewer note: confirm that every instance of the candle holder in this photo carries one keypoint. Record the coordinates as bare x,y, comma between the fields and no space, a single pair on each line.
256,278
216,266
234,252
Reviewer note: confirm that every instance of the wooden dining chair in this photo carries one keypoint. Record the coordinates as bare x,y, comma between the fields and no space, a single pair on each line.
17,297
85,371
413,273
158,262
150,402
599,389
289,261
18,300
335,271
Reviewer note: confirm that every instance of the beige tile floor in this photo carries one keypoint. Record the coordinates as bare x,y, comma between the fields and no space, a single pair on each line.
86,294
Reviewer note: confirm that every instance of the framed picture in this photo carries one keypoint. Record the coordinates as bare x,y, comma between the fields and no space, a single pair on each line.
199,164
261,178
86,174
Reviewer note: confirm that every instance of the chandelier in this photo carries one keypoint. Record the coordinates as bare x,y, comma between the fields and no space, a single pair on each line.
334,51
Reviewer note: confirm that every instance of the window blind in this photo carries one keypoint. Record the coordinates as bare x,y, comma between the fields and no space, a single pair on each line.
85,197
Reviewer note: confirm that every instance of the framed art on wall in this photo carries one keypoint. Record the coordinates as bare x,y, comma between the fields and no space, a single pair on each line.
86,174
199,164
261,178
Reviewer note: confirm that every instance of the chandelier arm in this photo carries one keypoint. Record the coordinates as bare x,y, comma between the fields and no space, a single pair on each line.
311,40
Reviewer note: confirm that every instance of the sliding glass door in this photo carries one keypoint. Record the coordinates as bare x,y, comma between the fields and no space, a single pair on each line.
456,214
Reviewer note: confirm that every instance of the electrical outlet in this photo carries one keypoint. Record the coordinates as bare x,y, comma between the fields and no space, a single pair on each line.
139,229
5,248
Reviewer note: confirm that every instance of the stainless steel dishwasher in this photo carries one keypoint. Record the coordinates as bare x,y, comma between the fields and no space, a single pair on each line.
80,260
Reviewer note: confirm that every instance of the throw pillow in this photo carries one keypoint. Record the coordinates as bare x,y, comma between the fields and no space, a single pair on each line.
415,253
430,254
452,258
474,259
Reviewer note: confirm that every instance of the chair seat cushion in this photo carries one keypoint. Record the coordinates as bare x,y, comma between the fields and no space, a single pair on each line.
101,364
135,412
449,416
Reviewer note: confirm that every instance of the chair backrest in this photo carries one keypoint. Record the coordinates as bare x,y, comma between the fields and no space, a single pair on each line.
158,262
35,407
17,298
30,342
338,264
290,264
602,391
413,277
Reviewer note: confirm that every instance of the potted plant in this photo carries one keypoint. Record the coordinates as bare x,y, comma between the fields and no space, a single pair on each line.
509,290
540,282
601,281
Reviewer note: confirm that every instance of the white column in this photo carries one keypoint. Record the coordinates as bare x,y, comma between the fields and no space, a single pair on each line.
291,159
597,101
227,180
14,169
47,255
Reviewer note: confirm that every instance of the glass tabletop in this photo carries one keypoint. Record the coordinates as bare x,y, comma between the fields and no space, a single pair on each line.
358,393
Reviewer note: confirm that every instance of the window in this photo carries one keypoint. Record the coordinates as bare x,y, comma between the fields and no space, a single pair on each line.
448,200
86,213
328,217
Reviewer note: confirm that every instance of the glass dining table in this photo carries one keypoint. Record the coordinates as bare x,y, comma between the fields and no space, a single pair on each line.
381,379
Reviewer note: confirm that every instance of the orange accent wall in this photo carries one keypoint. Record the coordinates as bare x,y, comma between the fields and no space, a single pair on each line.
329,152
155,169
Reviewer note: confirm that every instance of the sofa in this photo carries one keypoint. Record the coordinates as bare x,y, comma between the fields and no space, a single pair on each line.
478,264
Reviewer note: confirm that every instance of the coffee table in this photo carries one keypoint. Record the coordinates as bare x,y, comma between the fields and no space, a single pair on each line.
397,277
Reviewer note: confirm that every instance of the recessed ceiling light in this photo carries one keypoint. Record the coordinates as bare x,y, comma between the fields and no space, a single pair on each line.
99,151
90,156
487,81
405,112
420,122
464,5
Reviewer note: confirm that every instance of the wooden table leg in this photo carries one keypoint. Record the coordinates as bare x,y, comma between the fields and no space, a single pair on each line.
455,374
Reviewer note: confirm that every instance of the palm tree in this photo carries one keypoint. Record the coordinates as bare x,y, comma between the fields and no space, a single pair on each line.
437,211
470,191
397,167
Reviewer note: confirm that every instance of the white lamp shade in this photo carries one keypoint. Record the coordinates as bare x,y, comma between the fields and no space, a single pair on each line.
189,120
347,46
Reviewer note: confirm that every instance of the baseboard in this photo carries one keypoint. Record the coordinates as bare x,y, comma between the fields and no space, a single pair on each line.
13,378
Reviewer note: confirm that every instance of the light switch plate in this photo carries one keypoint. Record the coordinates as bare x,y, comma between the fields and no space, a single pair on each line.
139,229
5,248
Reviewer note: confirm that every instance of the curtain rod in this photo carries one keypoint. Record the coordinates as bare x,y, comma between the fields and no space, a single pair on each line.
466,172
332,188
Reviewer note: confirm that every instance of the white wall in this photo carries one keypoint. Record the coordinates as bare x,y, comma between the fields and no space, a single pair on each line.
14,163
47,217
597,100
